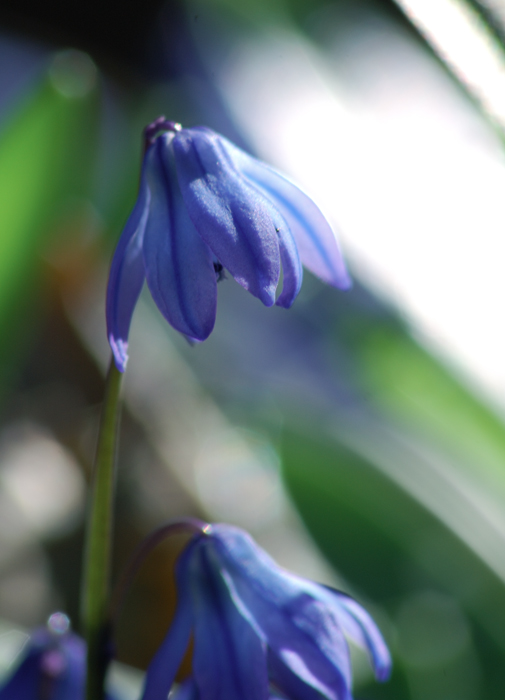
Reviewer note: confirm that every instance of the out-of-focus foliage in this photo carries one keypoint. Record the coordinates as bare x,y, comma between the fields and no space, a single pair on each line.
442,600
47,148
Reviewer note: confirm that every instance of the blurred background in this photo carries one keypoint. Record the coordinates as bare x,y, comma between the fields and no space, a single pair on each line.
359,437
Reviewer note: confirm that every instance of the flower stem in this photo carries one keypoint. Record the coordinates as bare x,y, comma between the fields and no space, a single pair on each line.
95,591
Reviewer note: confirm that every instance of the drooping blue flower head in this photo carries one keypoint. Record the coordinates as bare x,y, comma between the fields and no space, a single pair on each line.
258,631
52,665
204,206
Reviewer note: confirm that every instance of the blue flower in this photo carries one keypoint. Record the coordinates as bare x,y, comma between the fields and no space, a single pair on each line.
189,691
52,665
259,632
204,206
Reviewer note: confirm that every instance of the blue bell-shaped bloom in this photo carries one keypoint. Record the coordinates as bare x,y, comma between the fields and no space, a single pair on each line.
52,665
188,691
258,631
203,206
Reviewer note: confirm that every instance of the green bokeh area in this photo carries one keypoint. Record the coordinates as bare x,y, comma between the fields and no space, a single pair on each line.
395,552
47,150
398,492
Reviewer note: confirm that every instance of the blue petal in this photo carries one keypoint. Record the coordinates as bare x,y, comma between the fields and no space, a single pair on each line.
232,217
52,666
71,684
292,685
179,265
162,670
301,631
316,241
126,277
307,641
291,268
229,658
360,627
186,691
24,683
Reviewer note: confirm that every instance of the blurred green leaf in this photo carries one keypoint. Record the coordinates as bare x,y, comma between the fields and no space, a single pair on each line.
423,402
388,545
416,389
46,155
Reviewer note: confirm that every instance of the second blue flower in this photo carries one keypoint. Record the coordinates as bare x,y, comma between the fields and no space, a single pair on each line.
259,632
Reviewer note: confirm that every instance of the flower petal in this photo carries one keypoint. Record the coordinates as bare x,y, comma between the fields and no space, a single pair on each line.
306,640
178,264
360,627
291,268
72,682
52,666
291,680
232,217
272,585
301,631
316,241
24,682
126,277
187,690
162,670
229,658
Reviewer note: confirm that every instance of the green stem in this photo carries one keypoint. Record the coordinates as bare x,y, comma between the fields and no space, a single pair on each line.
95,592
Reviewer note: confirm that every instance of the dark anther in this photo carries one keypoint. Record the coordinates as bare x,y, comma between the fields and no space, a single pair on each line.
219,270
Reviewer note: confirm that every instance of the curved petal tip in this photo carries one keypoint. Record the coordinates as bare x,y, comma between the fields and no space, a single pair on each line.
383,665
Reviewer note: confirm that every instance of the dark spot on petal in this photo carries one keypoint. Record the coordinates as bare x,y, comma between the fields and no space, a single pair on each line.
219,270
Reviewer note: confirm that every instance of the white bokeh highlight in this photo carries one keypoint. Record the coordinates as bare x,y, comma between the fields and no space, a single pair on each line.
404,165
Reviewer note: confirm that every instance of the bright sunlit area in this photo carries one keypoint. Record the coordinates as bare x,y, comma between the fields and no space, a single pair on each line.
402,161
